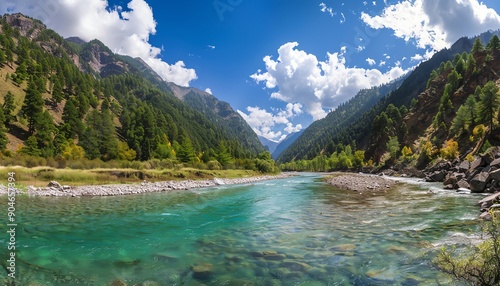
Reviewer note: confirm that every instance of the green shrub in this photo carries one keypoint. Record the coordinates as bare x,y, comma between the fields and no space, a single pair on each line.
479,264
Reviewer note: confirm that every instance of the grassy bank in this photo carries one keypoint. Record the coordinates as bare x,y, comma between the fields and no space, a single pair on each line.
41,176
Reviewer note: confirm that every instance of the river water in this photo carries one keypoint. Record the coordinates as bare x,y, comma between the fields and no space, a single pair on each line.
294,231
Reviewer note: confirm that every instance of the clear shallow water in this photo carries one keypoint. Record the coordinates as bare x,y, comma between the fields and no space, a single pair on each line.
312,234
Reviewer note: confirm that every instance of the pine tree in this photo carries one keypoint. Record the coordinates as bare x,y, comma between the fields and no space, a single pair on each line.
72,123
223,155
489,104
8,108
57,92
45,133
3,136
90,136
3,58
31,147
32,105
494,44
477,46
108,139
186,152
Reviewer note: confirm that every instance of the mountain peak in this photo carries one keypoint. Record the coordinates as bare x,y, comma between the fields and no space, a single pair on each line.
27,26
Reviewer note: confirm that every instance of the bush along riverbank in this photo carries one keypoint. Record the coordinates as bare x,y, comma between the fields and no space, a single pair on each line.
480,175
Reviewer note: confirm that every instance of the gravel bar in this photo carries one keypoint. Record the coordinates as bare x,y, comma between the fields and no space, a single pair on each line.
54,189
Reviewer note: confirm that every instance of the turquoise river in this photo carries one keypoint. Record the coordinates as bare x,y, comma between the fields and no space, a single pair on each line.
294,231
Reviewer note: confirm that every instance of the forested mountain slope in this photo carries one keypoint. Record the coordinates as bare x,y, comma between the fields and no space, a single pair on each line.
351,123
456,115
73,99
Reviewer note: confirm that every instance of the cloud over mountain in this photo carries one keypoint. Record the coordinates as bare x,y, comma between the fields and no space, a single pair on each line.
125,32
299,77
263,121
435,24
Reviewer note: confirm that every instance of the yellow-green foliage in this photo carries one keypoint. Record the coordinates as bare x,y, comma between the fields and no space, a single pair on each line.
479,264
406,151
449,150
72,151
428,150
126,153
470,157
479,131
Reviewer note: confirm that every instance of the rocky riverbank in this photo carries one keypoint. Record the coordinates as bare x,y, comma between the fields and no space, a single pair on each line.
361,182
55,189
482,175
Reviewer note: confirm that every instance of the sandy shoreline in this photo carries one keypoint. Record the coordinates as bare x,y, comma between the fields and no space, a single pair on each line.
56,190
361,182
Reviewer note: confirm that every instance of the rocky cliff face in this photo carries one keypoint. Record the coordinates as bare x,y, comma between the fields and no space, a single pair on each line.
26,26
101,60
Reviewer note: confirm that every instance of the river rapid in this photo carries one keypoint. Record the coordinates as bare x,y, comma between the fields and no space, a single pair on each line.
293,231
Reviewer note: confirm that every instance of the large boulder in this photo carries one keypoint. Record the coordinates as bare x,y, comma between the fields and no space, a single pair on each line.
477,164
464,166
437,176
55,185
495,175
492,154
478,183
463,184
495,163
491,199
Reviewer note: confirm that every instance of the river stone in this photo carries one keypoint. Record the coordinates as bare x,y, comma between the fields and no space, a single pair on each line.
491,198
495,206
202,271
275,257
150,283
464,166
463,184
238,282
485,216
344,247
256,253
451,179
478,183
54,184
476,164
118,282
495,175
295,265
269,252
383,274
437,176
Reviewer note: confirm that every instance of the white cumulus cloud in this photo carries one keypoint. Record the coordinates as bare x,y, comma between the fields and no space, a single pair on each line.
435,24
370,61
208,90
124,32
267,124
319,86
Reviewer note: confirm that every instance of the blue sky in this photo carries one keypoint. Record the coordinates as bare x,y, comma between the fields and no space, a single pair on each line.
281,64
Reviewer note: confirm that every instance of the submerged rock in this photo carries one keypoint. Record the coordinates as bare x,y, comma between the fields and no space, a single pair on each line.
295,265
275,257
118,282
202,271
